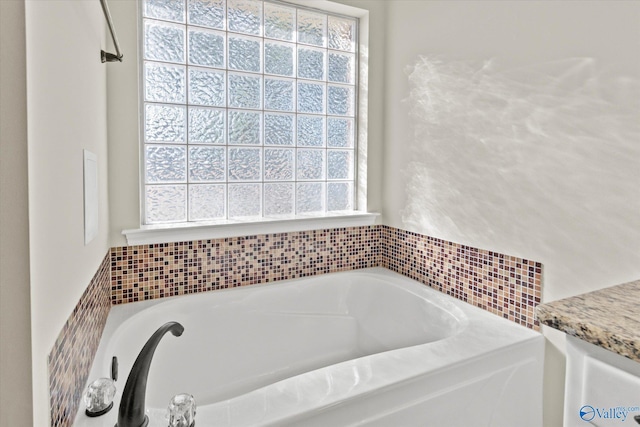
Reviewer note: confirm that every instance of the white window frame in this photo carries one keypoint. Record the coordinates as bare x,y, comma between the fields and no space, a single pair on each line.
187,231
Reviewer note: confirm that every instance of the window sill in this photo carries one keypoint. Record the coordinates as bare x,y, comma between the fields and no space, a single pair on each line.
182,232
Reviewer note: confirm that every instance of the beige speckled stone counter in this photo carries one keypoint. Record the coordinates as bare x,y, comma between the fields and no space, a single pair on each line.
609,318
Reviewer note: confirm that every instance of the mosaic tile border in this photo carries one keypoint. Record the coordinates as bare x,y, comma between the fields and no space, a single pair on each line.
161,270
508,286
72,355
505,285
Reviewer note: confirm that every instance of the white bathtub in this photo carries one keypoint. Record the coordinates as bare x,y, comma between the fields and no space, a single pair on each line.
366,347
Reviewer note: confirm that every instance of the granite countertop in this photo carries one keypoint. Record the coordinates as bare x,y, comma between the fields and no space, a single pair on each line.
609,318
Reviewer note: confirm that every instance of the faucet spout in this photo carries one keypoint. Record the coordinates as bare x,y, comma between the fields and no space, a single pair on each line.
132,405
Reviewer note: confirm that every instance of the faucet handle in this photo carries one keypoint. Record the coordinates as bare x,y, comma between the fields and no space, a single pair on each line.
182,411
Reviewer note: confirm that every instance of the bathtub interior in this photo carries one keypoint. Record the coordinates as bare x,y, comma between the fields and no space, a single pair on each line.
239,340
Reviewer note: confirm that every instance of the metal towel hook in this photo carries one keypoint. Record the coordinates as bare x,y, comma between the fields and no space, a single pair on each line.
106,56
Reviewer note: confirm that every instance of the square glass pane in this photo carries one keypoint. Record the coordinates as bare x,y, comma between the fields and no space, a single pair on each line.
207,164
165,164
207,125
279,58
310,131
279,21
278,129
341,100
167,10
206,201
245,54
310,63
278,94
165,203
206,48
164,83
342,34
339,196
340,164
339,132
245,16
342,68
278,199
206,87
163,41
245,164
245,127
245,200
207,13
278,164
245,91
164,123
310,164
311,97
312,28
310,197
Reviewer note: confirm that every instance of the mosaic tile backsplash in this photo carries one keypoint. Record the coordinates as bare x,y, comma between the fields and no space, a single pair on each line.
161,270
507,286
504,285
72,355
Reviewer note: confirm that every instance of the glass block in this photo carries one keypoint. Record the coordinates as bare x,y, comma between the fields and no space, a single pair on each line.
245,127
310,97
310,164
339,132
245,54
278,129
279,21
245,16
279,58
278,94
164,123
278,199
310,63
167,10
207,164
339,196
340,100
245,91
206,87
206,48
312,28
206,201
342,68
165,203
206,125
164,41
342,34
310,131
165,163
340,164
245,164
245,200
164,83
207,13
310,197
278,164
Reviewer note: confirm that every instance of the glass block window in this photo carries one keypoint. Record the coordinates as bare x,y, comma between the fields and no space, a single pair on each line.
249,110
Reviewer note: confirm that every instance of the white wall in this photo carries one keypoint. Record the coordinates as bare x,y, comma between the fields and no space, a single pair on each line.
124,148
15,313
66,102
519,133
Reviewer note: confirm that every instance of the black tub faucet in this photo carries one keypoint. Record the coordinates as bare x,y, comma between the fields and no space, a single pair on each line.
132,410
